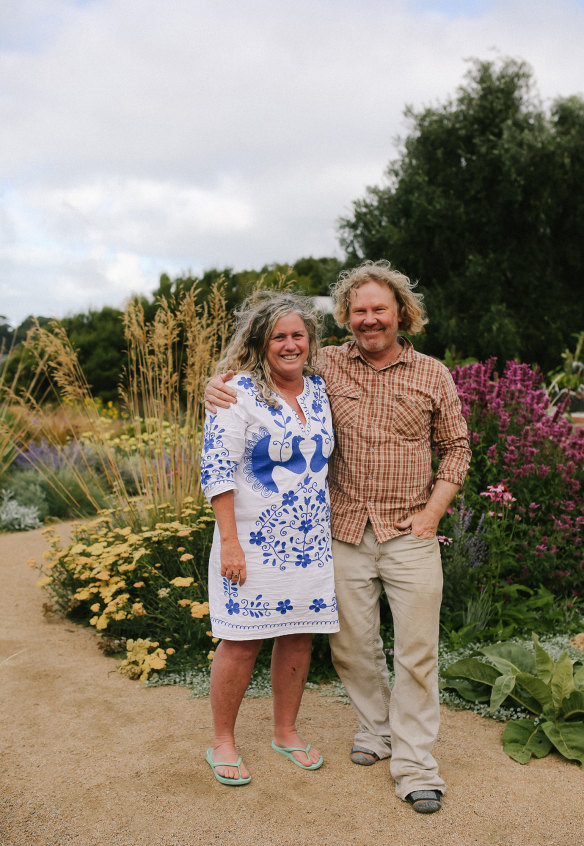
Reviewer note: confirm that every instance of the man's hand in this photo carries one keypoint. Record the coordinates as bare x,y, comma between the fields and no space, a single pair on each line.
422,524
218,394
233,561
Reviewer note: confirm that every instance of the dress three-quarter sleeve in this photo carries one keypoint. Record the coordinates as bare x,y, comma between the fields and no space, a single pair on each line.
223,448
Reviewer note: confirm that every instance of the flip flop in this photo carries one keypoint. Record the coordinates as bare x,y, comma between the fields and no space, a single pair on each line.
288,750
232,782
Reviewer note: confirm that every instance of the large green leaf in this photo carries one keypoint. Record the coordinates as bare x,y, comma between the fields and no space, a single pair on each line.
568,738
521,740
543,662
473,691
510,658
501,690
579,676
479,671
573,706
562,683
473,669
540,691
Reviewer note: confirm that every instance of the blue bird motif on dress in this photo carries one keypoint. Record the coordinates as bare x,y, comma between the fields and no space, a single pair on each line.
263,465
318,460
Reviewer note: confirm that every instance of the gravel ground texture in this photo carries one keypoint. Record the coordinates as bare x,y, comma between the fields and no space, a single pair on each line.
90,758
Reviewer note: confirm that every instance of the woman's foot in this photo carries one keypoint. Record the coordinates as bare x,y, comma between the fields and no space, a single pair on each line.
228,752
288,739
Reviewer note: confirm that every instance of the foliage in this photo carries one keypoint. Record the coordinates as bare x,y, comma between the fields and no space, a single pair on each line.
568,380
553,691
146,588
15,517
92,459
485,207
533,459
98,340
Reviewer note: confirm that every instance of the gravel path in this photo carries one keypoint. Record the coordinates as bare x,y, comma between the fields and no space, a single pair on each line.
89,758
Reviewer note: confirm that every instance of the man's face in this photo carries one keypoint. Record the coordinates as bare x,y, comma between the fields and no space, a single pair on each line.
374,318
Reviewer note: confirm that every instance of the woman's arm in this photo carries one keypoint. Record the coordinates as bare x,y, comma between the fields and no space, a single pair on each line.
232,555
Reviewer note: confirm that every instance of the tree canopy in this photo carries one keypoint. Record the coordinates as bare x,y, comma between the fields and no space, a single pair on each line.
484,206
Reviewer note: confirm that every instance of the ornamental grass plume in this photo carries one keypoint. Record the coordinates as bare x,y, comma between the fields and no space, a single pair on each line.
169,361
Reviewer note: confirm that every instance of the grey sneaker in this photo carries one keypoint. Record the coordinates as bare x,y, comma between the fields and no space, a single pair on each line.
364,757
425,801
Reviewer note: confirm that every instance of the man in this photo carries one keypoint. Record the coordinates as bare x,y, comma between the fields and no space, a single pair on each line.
391,407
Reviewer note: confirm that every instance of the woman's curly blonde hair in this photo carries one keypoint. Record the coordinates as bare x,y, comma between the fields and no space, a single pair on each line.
254,324
410,305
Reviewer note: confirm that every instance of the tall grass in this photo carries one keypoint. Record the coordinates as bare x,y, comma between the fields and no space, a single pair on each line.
169,361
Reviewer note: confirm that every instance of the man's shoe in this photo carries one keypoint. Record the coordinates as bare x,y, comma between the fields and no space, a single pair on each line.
425,801
365,757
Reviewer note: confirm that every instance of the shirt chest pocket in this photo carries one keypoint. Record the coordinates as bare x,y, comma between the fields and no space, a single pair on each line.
412,416
344,401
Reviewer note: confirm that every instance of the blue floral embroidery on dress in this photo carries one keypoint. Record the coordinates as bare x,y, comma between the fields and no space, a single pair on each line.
296,532
303,559
245,382
232,607
256,537
318,605
284,605
216,466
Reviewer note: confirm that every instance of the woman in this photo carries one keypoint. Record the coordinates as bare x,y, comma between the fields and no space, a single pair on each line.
263,468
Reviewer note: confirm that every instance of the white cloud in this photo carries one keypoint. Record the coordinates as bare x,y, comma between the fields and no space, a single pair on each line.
141,137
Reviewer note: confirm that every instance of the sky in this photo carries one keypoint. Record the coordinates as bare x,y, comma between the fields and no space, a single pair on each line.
142,137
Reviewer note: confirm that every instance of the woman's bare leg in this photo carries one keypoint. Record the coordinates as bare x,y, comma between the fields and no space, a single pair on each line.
230,674
290,663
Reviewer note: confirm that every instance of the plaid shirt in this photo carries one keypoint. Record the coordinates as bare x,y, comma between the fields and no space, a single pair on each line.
386,423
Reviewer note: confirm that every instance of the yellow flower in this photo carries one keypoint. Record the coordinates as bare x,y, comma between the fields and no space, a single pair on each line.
170,651
31,562
95,607
82,593
186,557
199,609
182,581
211,655
138,584
45,581
138,609
139,661
184,602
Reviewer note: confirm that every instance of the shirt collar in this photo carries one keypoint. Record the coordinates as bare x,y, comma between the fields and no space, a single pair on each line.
405,355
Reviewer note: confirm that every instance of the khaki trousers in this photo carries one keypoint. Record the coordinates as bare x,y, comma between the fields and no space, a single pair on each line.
403,723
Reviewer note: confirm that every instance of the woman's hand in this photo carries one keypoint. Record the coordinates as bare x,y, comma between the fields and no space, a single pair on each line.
233,561
218,394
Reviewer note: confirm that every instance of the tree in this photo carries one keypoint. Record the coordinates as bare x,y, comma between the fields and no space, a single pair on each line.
98,338
6,333
485,207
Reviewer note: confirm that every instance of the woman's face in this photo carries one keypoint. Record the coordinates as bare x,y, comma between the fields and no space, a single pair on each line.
288,348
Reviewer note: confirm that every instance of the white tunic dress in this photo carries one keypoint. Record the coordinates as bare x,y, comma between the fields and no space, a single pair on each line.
277,468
